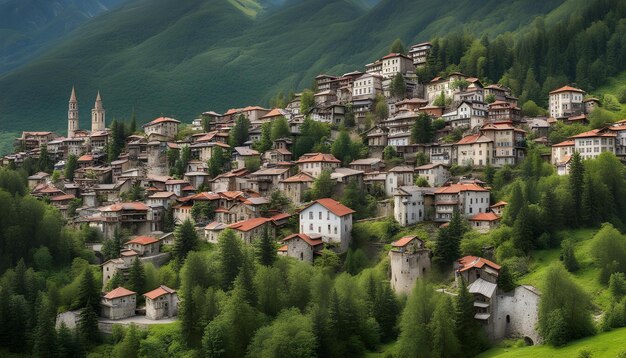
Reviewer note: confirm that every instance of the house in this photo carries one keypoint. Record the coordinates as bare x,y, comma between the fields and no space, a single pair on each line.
504,111
344,176
566,102
164,126
249,230
34,140
466,115
37,178
397,177
484,222
410,204
303,247
133,216
213,230
242,154
419,53
590,144
367,86
474,150
161,302
119,303
440,85
472,268
395,63
164,199
377,140
230,181
508,142
498,208
409,260
197,179
176,186
295,186
562,151
330,219
315,163
144,245
367,165
435,174
265,180
469,199
277,155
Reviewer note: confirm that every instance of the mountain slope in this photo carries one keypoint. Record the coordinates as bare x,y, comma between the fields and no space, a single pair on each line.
182,58
26,26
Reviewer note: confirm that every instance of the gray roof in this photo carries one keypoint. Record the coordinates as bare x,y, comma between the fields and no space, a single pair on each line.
366,161
483,287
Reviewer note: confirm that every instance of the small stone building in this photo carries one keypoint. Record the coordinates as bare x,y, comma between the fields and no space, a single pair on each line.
409,261
119,303
303,247
144,245
161,303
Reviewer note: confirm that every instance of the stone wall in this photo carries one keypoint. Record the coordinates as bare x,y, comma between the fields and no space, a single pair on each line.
516,314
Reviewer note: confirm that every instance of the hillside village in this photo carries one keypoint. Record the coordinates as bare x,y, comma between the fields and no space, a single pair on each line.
379,137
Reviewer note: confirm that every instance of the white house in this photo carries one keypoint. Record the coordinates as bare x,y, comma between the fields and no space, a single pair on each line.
164,126
330,219
435,174
314,163
590,144
367,86
397,177
475,149
469,199
409,204
566,101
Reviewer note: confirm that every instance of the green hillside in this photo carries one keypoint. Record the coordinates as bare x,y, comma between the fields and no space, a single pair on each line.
179,59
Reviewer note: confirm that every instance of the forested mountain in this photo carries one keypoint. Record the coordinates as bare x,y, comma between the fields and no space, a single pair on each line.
164,56
27,26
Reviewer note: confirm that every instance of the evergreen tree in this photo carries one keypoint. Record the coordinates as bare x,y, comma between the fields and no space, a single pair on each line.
523,231
88,323
569,258
505,279
70,167
129,347
323,186
116,281
238,135
265,143
217,162
266,248
168,220
44,163
186,240
67,345
398,47
592,208
137,277
341,147
44,333
245,279
422,130
231,257
280,128
576,187
397,88
307,102
415,328
448,241
132,127
111,247
88,292
516,203
466,325
445,342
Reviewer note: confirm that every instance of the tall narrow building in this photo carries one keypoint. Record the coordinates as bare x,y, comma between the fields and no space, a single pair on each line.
97,116
72,115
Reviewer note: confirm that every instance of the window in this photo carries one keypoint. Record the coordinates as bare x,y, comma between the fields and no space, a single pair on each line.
310,215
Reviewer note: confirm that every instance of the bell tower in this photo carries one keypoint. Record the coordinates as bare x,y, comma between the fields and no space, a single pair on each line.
72,115
97,115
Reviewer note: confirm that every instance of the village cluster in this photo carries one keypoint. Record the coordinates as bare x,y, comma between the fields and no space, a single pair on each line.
493,134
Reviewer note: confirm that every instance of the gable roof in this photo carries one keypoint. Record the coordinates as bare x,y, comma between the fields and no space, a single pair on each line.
318,157
468,262
475,138
333,206
567,88
301,177
142,240
119,292
158,292
405,241
161,120
567,143
490,216
247,225
312,241
594,133
499,204
457,188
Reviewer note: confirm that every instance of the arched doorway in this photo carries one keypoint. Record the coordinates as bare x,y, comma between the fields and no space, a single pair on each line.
529,341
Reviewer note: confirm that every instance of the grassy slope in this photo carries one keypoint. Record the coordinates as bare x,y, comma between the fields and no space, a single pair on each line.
613,86
604,345
180,59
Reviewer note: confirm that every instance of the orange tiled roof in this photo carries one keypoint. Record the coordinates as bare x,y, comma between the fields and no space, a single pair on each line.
158,292
457,188
299,178
468,262
135,205
334,206
567,143
594,133
567,88
119,292
143,240
404,241
86,158
471,139
304,237
499,203
319,157
490,216
249,224
161,120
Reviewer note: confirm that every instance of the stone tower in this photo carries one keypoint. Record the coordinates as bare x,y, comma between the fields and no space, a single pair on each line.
97,116
72,115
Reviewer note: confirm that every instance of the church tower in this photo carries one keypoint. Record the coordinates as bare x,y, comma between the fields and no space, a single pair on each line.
97,116
72,115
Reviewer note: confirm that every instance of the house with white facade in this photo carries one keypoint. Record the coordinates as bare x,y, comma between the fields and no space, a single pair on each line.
367,86
470,199
330,219
435,173
314,163
561,152
119,303
474,150
402,175
566,101
164,126
590,144
410,204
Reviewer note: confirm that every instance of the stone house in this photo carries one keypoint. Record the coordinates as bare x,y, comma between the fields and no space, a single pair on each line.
435,174
397,177
294,187
469,199
119,303
377,139
472,268
484,222
251,229
498,208
409,260
241,154
367,165
135,217
504,111
508,142
230,181
411,204
315,163
474,150
516,315
144,245
213,230
37,178
161,302
164,199
265,180
164,126
330,219
303,247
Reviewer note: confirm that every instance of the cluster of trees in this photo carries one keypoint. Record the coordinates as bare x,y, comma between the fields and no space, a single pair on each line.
178,159
346,149
117,138
270,131
238,135
584,48
313,138
424,128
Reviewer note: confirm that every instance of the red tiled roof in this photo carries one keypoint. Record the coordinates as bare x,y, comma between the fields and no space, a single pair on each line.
158,292
62,197
299,178
499,203
457,188
318,157
471,139
567,88
273,113
594,133
333,206
249,224
119,292
404,241
304,237
143,240
85,158
161,120
135,205
161,194
280,216
567,143
490,216
283,248
468,262
128,253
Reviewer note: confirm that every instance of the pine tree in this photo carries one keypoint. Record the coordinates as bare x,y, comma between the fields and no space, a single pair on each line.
245,279
280,128
522,231
44,333
398,47
576,186
88,292
137,277
70,167
266,248
467,328
569,258
591,208
445,342
112,247
449,240
129,347
505,279
239,133
217,161
186,240
231,257
88,324
397,88
44,163
67,344
132,128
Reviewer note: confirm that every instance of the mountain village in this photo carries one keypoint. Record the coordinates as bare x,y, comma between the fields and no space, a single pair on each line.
414,180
